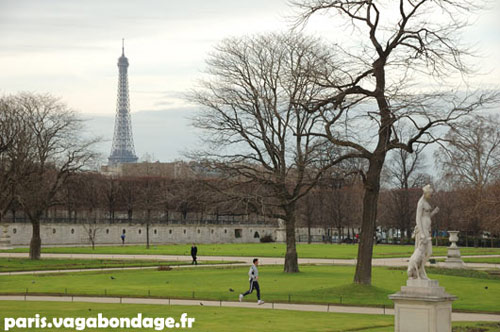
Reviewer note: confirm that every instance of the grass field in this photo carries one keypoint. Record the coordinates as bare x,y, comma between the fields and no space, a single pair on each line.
486,260
477,291
207,318
25,264
489,260
333,251
221,319
476,327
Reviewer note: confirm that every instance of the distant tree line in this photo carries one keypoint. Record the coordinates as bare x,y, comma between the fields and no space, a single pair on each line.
334,204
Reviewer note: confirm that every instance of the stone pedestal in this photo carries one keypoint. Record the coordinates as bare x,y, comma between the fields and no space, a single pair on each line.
454,259
422,306
4,237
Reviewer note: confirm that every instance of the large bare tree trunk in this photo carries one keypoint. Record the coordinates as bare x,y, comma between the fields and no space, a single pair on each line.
372,182
291,259
372,187
36,241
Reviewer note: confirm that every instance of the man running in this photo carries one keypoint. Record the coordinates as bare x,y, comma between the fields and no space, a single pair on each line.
253,274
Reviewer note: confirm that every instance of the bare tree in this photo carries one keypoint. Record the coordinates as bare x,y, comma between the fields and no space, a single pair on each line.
129,192
397,209
374,86
470,160
344,205
91,198
310,212
9,124
256,127
12,128
112,192
8,132
55,151
149,194
450,209
338,203
470,154
492,206
404,171
91,228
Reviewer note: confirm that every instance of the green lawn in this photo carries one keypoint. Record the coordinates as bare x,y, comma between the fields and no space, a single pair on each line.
476,327
334,251
25,264
207,318
489,260
477,291
220,319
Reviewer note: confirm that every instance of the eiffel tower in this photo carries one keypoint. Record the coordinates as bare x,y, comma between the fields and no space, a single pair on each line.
122,150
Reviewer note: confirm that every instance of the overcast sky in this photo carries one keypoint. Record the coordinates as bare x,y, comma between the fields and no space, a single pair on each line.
70,49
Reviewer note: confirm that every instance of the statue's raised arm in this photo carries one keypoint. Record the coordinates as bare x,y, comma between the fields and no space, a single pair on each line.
423,239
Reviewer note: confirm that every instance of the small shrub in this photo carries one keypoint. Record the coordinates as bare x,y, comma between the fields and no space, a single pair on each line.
266,239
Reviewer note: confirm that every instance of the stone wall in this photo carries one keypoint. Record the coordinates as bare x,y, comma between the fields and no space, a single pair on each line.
65,233
76,234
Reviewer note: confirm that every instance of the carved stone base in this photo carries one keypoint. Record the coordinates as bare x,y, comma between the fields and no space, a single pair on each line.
454,259
422,306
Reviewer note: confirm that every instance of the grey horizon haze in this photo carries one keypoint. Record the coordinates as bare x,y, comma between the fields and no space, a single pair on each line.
70,49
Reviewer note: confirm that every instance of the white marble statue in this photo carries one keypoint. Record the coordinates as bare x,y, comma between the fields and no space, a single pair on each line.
423,239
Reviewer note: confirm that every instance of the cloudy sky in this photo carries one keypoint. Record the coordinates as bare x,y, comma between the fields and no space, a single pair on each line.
70,48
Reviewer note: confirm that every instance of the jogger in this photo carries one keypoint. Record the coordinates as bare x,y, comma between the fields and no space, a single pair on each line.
253,275
253,285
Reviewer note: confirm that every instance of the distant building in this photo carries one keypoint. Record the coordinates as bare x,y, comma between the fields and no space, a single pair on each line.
122,150
173,170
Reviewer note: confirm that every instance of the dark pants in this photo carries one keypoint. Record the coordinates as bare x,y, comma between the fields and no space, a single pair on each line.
253,285
194,260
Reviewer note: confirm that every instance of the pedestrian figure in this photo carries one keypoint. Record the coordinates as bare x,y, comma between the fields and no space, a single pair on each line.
194,251
123,238
253,275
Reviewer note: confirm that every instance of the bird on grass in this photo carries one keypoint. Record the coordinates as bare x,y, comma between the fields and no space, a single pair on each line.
113,278
231,290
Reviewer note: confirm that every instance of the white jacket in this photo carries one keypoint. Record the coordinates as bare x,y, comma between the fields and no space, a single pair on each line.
253,273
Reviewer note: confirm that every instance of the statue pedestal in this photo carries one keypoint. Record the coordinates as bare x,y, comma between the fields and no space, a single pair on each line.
454,259
422,306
